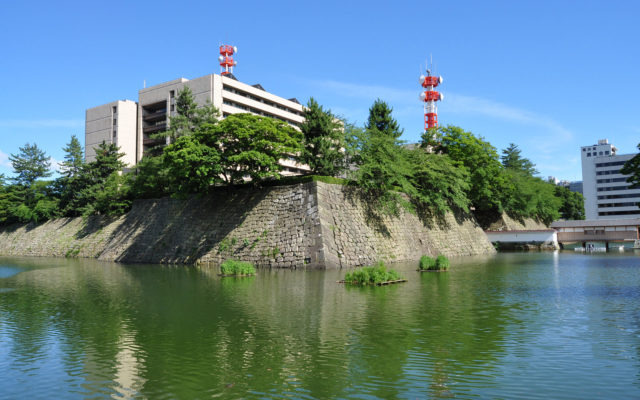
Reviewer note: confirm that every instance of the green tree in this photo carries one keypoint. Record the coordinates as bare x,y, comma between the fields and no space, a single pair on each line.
382,166
252,146
189,116
70,183
323,141
150,178
440,185
30,164
193,162
530,197
572,203
73,158
381,120
632,168
101,189
487,183
511,159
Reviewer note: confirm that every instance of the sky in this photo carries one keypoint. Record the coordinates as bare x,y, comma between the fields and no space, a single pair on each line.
549,76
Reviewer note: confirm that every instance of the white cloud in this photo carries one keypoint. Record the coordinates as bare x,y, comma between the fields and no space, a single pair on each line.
4,160
41,123
55,164
477,105
367,91
455,103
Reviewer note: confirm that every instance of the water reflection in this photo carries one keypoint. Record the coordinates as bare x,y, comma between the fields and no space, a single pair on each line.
486,328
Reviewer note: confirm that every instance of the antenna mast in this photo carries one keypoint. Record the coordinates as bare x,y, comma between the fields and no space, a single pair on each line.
429,96
226,59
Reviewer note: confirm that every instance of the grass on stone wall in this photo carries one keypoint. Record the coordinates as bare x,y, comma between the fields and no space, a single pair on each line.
238,268
373,275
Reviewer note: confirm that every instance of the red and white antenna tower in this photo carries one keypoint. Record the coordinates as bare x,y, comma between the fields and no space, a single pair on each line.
226,59
429,96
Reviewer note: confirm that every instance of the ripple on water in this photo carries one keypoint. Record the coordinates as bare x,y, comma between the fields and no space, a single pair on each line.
521,326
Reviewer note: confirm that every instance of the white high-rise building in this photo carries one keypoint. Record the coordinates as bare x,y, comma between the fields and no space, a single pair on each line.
606,192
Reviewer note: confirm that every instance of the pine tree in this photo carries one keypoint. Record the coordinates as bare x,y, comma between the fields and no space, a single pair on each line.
30,164
511,159
323,140
380,120
73,159
189,116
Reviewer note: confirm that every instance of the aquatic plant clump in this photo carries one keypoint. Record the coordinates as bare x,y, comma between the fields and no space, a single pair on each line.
374,275
440,263
233,267
427,263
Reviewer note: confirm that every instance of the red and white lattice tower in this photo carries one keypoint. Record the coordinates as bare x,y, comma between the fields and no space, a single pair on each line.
226,59
429,96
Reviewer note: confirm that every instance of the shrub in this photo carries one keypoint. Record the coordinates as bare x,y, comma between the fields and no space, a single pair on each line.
371,275
233,267
427,263
442,263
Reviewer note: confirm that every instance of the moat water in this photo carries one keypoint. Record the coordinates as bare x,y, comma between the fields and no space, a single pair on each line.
520,325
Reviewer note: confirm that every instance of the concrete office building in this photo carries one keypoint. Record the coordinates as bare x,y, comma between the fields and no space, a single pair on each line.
606,192
115,122
156,104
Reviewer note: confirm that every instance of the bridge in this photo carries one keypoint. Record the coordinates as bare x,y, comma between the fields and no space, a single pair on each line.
597,230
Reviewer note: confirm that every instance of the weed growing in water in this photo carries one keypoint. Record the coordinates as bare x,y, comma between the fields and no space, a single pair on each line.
233,267
371,275
440,263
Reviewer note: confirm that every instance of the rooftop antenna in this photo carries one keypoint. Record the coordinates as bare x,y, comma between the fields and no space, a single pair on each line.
226,59
144,84
429,96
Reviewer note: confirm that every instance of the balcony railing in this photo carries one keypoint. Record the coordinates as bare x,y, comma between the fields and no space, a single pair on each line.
155,128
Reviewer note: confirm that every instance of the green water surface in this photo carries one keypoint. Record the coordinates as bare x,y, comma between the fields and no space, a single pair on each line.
520,325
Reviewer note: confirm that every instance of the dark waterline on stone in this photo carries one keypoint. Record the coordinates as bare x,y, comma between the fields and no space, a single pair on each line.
536,325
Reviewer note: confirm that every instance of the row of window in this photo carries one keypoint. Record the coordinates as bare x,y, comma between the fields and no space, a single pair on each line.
610,164
611,180
611,172
256,111
627,204
604,214
260,99
595,153
619,196
608,189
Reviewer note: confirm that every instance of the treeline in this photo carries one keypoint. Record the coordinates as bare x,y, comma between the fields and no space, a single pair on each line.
449,170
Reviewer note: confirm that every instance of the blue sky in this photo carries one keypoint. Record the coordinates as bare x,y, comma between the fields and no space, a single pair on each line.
549,76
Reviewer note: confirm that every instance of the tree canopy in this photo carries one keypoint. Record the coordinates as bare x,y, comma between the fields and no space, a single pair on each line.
73,158
323,141
189,116
511,159
381,120
30,164
452,170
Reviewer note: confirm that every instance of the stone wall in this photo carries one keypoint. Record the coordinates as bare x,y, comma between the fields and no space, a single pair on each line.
316,225
506,223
